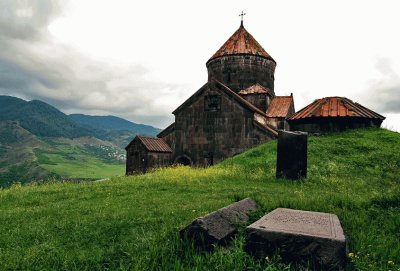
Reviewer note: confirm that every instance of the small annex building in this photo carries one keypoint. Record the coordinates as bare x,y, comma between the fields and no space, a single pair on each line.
144,153
332,114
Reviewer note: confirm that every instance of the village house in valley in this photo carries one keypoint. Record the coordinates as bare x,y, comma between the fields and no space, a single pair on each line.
236,109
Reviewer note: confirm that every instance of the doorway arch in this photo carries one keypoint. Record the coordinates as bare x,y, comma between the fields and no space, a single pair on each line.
183,160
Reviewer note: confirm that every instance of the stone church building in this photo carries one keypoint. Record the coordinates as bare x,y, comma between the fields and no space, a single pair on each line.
236,109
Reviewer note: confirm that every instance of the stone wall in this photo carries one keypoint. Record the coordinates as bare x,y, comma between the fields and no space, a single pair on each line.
325,125
214,127
260,100
242,71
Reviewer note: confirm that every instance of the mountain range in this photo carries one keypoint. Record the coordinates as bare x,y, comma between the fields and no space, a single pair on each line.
37,140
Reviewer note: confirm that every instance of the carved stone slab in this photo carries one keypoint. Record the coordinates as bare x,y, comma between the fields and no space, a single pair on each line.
299,236
219,226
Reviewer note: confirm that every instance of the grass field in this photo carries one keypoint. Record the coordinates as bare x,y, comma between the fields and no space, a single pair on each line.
76,161
79,166
25,157
132,223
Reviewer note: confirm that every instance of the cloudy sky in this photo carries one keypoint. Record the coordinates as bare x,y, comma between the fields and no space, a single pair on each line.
141,59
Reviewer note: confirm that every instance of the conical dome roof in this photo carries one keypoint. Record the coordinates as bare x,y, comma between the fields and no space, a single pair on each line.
241,43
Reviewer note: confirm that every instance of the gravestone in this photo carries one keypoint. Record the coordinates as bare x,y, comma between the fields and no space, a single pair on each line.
291,162
299,236
218,227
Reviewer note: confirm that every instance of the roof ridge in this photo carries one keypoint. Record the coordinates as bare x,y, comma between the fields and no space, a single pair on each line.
284,96
239,98
266,127
257,88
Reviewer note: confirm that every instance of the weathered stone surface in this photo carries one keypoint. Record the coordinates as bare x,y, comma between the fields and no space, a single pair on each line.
219,226
291,160
242,71
299,236
203,127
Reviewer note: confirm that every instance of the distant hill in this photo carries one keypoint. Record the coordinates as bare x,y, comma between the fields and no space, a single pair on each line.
114,129
44,120
40,118
17,158
37,140
25,157
114,123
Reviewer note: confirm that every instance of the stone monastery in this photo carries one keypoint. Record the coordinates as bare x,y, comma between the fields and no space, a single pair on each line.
238,109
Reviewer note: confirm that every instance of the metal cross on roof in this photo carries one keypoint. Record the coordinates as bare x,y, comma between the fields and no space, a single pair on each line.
241,15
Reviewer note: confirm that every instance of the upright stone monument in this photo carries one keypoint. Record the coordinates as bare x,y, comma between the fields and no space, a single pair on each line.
299,236
291,160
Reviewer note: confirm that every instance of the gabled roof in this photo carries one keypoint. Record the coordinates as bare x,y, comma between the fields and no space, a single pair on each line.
225,89
335,107
255,89
241,43
152,144
239,99
280,106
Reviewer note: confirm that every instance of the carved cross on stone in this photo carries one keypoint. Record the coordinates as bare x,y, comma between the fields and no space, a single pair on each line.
241,15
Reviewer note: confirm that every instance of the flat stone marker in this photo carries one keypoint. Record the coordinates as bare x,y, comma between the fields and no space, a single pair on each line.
299,236
291,161
219,226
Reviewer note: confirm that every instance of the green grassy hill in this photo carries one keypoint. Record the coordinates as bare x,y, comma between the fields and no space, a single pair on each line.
40,118
25,157
81,158
37,141
17,157
132,223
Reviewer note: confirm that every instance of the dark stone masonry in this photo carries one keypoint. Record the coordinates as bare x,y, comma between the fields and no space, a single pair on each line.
242,71
291,162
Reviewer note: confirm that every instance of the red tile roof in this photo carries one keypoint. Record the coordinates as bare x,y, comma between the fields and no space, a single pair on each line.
280,106
255,89
152,144
241,42
335,107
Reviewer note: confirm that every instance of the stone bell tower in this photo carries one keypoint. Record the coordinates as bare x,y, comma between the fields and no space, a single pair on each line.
242,62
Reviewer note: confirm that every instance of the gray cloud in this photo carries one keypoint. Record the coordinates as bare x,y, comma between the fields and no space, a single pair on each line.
383,93
32,67
27,19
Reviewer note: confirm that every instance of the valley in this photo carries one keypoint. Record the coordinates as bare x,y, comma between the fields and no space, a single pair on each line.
40,143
